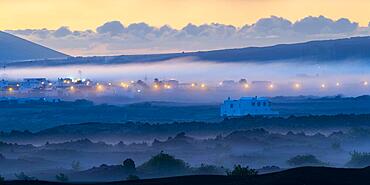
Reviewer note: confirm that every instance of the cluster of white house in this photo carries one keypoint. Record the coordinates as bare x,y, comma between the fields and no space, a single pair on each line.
254,106
68,86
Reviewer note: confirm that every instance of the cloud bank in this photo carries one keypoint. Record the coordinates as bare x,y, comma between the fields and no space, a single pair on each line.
114,38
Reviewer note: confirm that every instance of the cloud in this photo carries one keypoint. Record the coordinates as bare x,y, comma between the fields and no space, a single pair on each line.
113,38
323,25
62,32
113,28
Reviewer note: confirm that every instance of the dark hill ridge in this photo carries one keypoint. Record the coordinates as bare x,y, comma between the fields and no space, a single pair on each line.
13,48
355,48
297,176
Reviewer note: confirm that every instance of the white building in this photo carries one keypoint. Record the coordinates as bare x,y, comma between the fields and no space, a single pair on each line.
247,106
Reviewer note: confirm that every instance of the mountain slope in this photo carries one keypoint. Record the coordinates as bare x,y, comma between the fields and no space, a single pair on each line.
355,48
13,48
325,50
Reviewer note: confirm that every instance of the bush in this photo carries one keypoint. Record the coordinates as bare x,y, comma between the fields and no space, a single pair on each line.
359,159
165,163
61,177
129,165
209,170
242,171
22,176
132,177
304,160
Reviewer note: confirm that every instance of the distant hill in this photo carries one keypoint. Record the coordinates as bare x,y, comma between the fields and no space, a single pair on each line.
13,48
356,48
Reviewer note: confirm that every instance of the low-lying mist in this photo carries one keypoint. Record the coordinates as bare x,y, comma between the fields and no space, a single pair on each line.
342,77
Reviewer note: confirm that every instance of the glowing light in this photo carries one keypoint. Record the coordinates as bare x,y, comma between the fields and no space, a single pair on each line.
220,83
271,86
323,86
366,83
246,86
166,86
297,85
156,86
337,84
124,85
139,91
10,89
192,84
203,85
99,88
50,84
18,85
110,84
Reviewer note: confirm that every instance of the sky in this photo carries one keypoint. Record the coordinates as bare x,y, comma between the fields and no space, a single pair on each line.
111,27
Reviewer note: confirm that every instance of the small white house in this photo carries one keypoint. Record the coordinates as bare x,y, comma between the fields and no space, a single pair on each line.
247,106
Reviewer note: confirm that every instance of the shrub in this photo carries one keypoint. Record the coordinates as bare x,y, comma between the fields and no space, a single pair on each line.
22,176
132,177
359,159
304,160
242,171
209,170
61,177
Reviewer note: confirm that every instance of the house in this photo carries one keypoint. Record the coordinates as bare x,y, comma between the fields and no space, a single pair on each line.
247,106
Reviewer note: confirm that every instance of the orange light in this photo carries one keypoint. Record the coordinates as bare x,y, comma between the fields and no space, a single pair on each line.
203,85
99,88
10,89
246,86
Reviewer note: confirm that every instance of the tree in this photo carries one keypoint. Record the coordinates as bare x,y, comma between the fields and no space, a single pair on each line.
129,165
61,177
132,177
76,165
22,176
359,159
242,171
2,179
165,163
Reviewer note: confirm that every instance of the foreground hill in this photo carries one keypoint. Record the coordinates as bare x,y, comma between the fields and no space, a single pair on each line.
13,48
356,48
297,176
